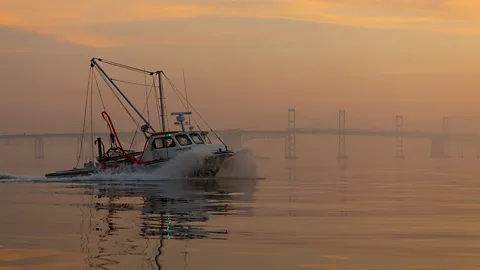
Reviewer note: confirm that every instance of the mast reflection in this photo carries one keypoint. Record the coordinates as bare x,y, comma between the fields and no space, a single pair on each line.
129,216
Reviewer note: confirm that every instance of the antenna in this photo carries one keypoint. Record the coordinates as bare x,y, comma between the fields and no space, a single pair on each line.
181,118
186,97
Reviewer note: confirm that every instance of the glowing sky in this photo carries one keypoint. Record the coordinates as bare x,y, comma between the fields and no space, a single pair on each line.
416,57
69,20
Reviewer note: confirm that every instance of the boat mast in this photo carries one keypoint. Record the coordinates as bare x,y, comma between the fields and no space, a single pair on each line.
186,98
162,113
94,62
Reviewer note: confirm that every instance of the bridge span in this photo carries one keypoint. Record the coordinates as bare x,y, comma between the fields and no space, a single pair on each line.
235,138
279,133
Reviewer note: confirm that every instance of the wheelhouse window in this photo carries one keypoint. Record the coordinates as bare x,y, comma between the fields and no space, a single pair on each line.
183,139
165,142
196,138
206,139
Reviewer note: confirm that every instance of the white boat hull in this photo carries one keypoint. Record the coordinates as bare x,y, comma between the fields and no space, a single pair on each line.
209,168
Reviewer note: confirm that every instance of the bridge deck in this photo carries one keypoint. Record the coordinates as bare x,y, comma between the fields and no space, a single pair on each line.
260,133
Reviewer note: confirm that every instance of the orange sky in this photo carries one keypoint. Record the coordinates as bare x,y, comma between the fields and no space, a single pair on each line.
60,18
254,57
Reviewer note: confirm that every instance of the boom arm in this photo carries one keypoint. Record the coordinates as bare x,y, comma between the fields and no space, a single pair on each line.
94,63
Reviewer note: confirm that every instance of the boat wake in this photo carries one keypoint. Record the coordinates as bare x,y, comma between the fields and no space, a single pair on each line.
4,176
10,178
180,167
241,166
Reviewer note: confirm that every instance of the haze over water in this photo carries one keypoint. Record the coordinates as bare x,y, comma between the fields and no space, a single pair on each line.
316,212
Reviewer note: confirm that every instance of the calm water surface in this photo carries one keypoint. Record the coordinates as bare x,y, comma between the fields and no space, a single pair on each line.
344,215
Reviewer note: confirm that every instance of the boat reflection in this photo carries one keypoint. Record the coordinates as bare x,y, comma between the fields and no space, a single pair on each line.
123,217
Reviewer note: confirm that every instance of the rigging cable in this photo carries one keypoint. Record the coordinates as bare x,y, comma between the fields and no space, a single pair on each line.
143,71
186,95
173,86
101,100
113,135
99,93
123,66
147,96
84,119
132,83
91,118
176,93
119,100
143,110
186,106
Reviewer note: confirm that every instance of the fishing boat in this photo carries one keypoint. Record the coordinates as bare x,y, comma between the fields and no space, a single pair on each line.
160,147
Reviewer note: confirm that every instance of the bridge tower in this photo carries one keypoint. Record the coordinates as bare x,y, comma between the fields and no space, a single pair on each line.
38,149
342,146
290,142
399,137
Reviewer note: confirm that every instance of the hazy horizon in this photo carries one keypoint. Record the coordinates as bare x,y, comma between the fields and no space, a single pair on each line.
247,62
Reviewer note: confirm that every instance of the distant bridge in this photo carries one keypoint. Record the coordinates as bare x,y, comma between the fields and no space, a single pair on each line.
234,138
356,132
251,133
279,133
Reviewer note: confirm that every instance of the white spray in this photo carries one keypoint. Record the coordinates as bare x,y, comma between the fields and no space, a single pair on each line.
242,165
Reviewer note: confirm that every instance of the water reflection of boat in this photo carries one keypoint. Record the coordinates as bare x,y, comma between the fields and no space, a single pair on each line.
135,218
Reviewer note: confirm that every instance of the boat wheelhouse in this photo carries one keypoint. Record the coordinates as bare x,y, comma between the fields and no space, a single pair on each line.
167,145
